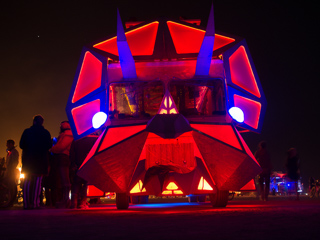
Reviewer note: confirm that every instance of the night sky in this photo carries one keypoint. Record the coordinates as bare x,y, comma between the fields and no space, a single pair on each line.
41,45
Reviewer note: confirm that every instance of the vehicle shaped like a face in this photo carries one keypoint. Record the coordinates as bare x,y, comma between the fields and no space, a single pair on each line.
168,90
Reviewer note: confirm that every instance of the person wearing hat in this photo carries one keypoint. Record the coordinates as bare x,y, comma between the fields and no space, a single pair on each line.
62,151
35,143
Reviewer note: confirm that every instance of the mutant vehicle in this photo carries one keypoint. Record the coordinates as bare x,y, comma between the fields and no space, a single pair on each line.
171,99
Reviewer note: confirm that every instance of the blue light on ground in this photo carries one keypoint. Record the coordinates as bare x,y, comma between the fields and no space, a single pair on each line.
166,205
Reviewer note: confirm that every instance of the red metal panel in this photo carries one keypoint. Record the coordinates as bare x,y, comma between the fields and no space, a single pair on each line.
117,134
241,71
250,108
188,39
89,78
230,168
83,114
140,40
224,133
92,191
250,186
93,149
111,170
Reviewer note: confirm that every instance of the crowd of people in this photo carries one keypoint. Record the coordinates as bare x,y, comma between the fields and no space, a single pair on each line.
52,164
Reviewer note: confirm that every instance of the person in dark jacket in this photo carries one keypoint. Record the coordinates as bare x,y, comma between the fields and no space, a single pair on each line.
78,152
293,167
263,158
35,143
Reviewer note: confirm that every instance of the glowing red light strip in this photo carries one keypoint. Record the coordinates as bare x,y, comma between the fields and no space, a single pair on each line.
132,31
200,30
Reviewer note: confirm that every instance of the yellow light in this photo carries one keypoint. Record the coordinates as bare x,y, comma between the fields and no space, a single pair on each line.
172,186
167,192
200,186
163,111
177,192
173,111
21,174
170,102
137,188
204,185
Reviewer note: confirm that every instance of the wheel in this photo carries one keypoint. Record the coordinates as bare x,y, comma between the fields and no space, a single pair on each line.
312,192
122,201
7,195
219,199
202,198
193,198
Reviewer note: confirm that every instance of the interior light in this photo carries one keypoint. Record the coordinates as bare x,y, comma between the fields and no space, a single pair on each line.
99,119
237,114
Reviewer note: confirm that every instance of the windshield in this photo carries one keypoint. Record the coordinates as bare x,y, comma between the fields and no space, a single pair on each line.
135,99
198,97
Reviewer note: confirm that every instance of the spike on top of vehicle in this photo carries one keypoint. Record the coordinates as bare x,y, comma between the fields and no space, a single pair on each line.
164,89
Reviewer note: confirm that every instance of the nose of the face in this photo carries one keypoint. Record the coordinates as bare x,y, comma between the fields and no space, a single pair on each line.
168,125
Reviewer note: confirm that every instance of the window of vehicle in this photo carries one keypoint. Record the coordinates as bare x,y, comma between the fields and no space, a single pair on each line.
135,99
198,97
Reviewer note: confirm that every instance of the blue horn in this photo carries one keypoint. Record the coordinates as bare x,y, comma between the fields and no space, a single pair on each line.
205,53
125,56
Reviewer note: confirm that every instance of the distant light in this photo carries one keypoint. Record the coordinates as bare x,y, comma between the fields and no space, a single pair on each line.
99,119
237,114
288,185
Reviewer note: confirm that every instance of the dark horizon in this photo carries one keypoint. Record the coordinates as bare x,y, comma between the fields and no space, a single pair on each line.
42,43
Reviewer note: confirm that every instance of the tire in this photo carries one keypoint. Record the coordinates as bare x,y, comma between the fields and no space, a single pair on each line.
219,199
122,201
312,192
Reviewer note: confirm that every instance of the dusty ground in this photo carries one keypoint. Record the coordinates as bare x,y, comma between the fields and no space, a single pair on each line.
243,218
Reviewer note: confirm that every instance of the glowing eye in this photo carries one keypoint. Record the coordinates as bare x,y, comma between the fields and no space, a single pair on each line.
237,114
99,119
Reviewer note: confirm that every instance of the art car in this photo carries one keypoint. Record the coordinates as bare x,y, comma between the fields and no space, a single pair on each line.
172,99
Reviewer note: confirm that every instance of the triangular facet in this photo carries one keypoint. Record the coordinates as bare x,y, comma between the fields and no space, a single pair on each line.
241,71
83,114
141,41
93,149
188,39
89,77
117,134
167,105
251,110
224,133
